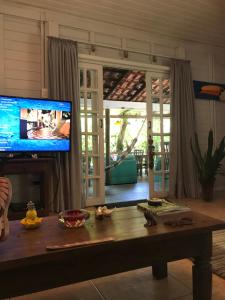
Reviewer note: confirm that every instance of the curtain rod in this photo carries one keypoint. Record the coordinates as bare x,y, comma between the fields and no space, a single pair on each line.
125,51
93,48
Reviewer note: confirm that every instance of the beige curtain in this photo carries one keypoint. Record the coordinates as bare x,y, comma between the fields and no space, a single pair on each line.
183,175
64,84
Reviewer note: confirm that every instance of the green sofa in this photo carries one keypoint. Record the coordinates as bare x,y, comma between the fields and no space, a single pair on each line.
125,172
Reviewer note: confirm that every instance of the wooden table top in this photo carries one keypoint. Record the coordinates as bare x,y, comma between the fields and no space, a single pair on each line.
124,224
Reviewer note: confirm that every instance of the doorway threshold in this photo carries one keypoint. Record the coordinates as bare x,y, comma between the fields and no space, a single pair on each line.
125,203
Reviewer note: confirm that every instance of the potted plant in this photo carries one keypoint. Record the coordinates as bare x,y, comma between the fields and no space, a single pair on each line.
208,164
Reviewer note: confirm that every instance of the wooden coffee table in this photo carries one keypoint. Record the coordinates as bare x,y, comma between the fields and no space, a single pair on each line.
26,266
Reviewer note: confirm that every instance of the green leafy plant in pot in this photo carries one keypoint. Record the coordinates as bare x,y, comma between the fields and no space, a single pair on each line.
208,164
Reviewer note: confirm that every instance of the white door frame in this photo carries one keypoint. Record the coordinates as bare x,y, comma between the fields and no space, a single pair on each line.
133,65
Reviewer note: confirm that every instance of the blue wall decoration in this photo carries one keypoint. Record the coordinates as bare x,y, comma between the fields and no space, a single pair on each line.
208,90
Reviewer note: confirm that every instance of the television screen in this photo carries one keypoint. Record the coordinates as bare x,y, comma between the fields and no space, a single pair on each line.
34,125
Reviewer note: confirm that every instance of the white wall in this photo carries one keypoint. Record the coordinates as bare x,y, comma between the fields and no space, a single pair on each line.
23,32
20,60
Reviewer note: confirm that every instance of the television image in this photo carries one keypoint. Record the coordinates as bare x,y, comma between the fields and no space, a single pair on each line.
34,125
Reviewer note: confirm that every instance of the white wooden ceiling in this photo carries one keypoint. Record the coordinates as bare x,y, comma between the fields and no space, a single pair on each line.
193,20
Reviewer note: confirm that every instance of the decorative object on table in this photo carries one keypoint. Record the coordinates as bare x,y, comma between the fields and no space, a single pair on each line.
79,244
73,218
31,221
155,202
5,198
179,222
151,218
165,208
151,152
99,213
208,164
103,211
208,90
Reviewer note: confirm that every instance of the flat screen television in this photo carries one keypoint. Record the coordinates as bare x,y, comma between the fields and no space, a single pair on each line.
34,125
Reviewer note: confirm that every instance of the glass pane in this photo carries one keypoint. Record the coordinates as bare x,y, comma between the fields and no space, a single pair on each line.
166,162
166,109
166,182
166,140
156,125
93,144
167,150
155,86
83,165
92,123
166,87
155,106
166,106
92,100
157,143
157,162
92,187
91,79
84,192
167,100
83,142
90,166
93,166
82,122
166,125
89,123
81,78
158,183
82,101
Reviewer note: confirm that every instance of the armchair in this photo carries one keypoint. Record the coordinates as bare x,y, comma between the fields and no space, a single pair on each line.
125,172
5,198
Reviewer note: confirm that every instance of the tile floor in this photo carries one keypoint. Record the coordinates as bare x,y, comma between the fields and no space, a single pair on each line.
139,284
127,192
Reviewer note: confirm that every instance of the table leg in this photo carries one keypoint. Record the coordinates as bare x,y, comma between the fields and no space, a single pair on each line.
159,270
202,279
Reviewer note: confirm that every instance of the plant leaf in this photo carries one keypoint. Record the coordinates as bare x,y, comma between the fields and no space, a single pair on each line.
209,163
210,145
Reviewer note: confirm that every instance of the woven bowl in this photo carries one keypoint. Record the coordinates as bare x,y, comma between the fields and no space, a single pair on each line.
73,218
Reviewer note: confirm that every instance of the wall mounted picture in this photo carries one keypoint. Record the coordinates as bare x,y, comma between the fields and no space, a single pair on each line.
208,90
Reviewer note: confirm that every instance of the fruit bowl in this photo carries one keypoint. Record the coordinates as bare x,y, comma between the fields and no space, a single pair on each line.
73,218
31,223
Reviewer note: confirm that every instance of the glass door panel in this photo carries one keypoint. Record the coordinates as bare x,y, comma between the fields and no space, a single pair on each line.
166,125
158,184
155,106
157,142
92,133
156,125
166,106
92,101
159,120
